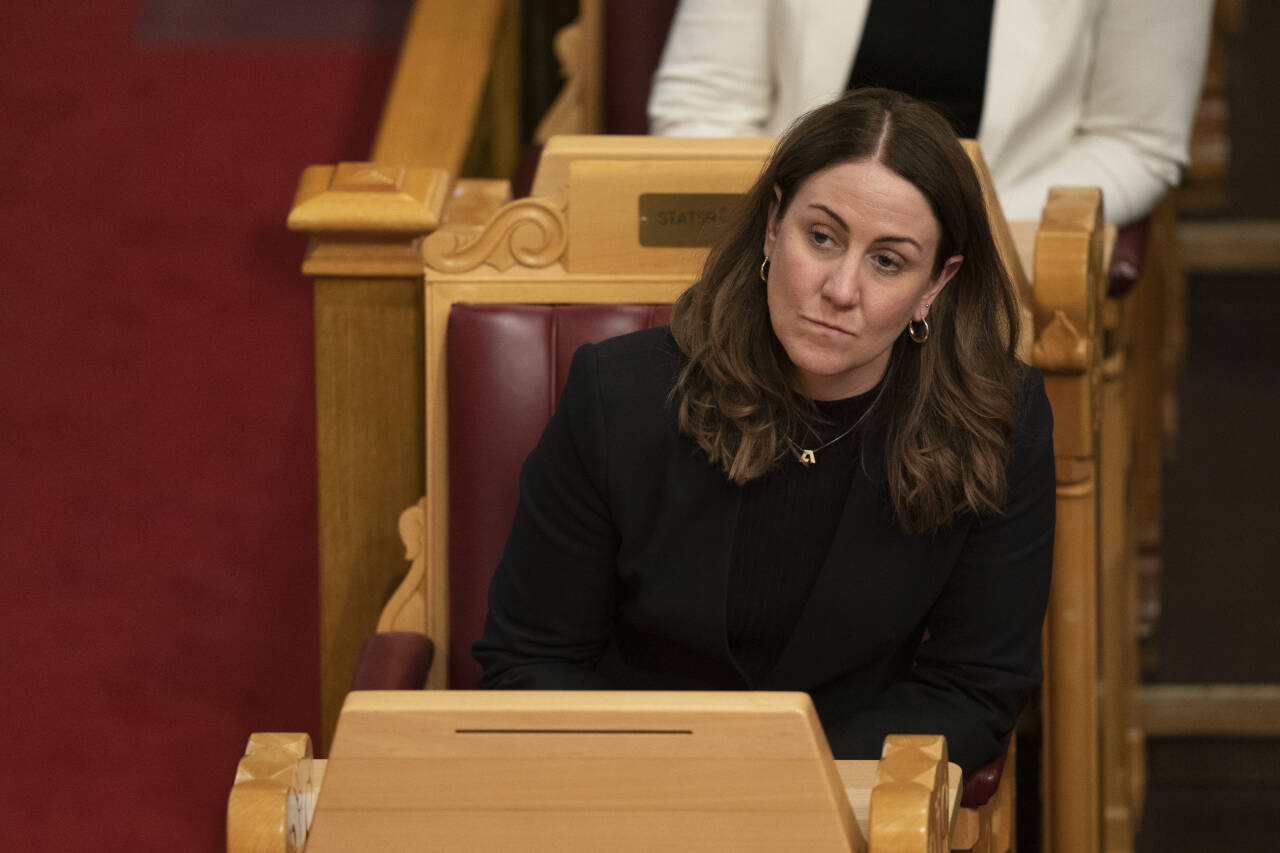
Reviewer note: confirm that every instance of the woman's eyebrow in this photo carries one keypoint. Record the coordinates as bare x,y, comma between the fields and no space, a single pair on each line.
829,212
887,238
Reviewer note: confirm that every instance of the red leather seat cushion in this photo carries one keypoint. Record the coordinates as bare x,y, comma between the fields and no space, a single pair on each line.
506,367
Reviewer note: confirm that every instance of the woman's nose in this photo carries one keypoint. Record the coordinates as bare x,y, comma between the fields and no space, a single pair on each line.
840,288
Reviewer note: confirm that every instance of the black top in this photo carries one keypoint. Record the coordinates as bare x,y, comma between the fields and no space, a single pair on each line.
785,527
934,50
616,575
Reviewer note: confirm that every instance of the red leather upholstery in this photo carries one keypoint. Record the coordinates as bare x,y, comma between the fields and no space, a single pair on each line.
394,660
981,784
1127,257
506,367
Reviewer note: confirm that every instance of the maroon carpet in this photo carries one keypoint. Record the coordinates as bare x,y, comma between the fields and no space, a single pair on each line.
158,528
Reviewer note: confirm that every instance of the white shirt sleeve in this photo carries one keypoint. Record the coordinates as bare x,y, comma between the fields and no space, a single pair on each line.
1139,102
715,77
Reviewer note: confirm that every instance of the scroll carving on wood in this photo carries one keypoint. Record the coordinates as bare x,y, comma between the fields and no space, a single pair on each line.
910,794
530,232
273,798
406,609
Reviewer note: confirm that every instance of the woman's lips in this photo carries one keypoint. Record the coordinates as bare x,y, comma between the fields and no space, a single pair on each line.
828,326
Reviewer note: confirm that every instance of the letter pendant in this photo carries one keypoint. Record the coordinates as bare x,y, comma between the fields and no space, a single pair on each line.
807,457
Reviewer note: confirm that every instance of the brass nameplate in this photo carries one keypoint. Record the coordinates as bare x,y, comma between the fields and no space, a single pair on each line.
684,220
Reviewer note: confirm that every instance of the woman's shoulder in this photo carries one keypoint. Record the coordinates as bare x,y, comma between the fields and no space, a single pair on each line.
638,358
653,343
633,368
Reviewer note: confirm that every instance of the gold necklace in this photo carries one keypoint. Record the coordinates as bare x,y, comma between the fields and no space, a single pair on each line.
807,456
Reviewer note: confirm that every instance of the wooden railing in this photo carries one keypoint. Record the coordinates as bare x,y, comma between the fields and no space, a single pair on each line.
451,107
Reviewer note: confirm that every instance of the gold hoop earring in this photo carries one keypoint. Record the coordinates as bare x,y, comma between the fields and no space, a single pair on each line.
918,337
764,270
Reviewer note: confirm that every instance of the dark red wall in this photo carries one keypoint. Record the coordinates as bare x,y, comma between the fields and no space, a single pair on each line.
158,531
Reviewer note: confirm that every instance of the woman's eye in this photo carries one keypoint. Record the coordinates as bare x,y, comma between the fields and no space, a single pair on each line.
820,238
887,263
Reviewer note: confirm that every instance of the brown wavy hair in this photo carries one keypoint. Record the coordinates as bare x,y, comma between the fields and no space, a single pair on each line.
946,410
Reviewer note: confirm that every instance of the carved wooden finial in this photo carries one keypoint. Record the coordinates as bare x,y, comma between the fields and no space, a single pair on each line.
1060,347
273,798
909,800
366,219
369,198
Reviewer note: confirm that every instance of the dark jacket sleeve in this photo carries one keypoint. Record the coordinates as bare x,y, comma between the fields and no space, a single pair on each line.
982,655
551,600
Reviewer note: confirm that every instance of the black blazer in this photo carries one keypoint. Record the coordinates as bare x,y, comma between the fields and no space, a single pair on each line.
616,572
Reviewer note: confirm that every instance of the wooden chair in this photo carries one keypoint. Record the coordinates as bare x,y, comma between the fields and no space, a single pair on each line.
366,222
575,236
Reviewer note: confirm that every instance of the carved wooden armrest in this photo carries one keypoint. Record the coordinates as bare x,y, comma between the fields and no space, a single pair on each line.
273,798
913,798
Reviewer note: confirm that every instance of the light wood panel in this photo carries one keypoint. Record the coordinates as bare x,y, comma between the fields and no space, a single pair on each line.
1068,295
1210,710
438,85
495,144
1121,745
1235,245
369,408
568,771
565,771
605,229
561,152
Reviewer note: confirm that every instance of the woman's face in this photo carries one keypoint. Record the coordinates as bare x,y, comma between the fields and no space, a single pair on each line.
850,264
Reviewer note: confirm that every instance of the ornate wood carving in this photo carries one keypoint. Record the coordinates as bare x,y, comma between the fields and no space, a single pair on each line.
406,609
273,798
1060,347
1069,250
531,233
567,113
911,793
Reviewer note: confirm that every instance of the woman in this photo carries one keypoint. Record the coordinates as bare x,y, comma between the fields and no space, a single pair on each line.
830,473
1059,92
